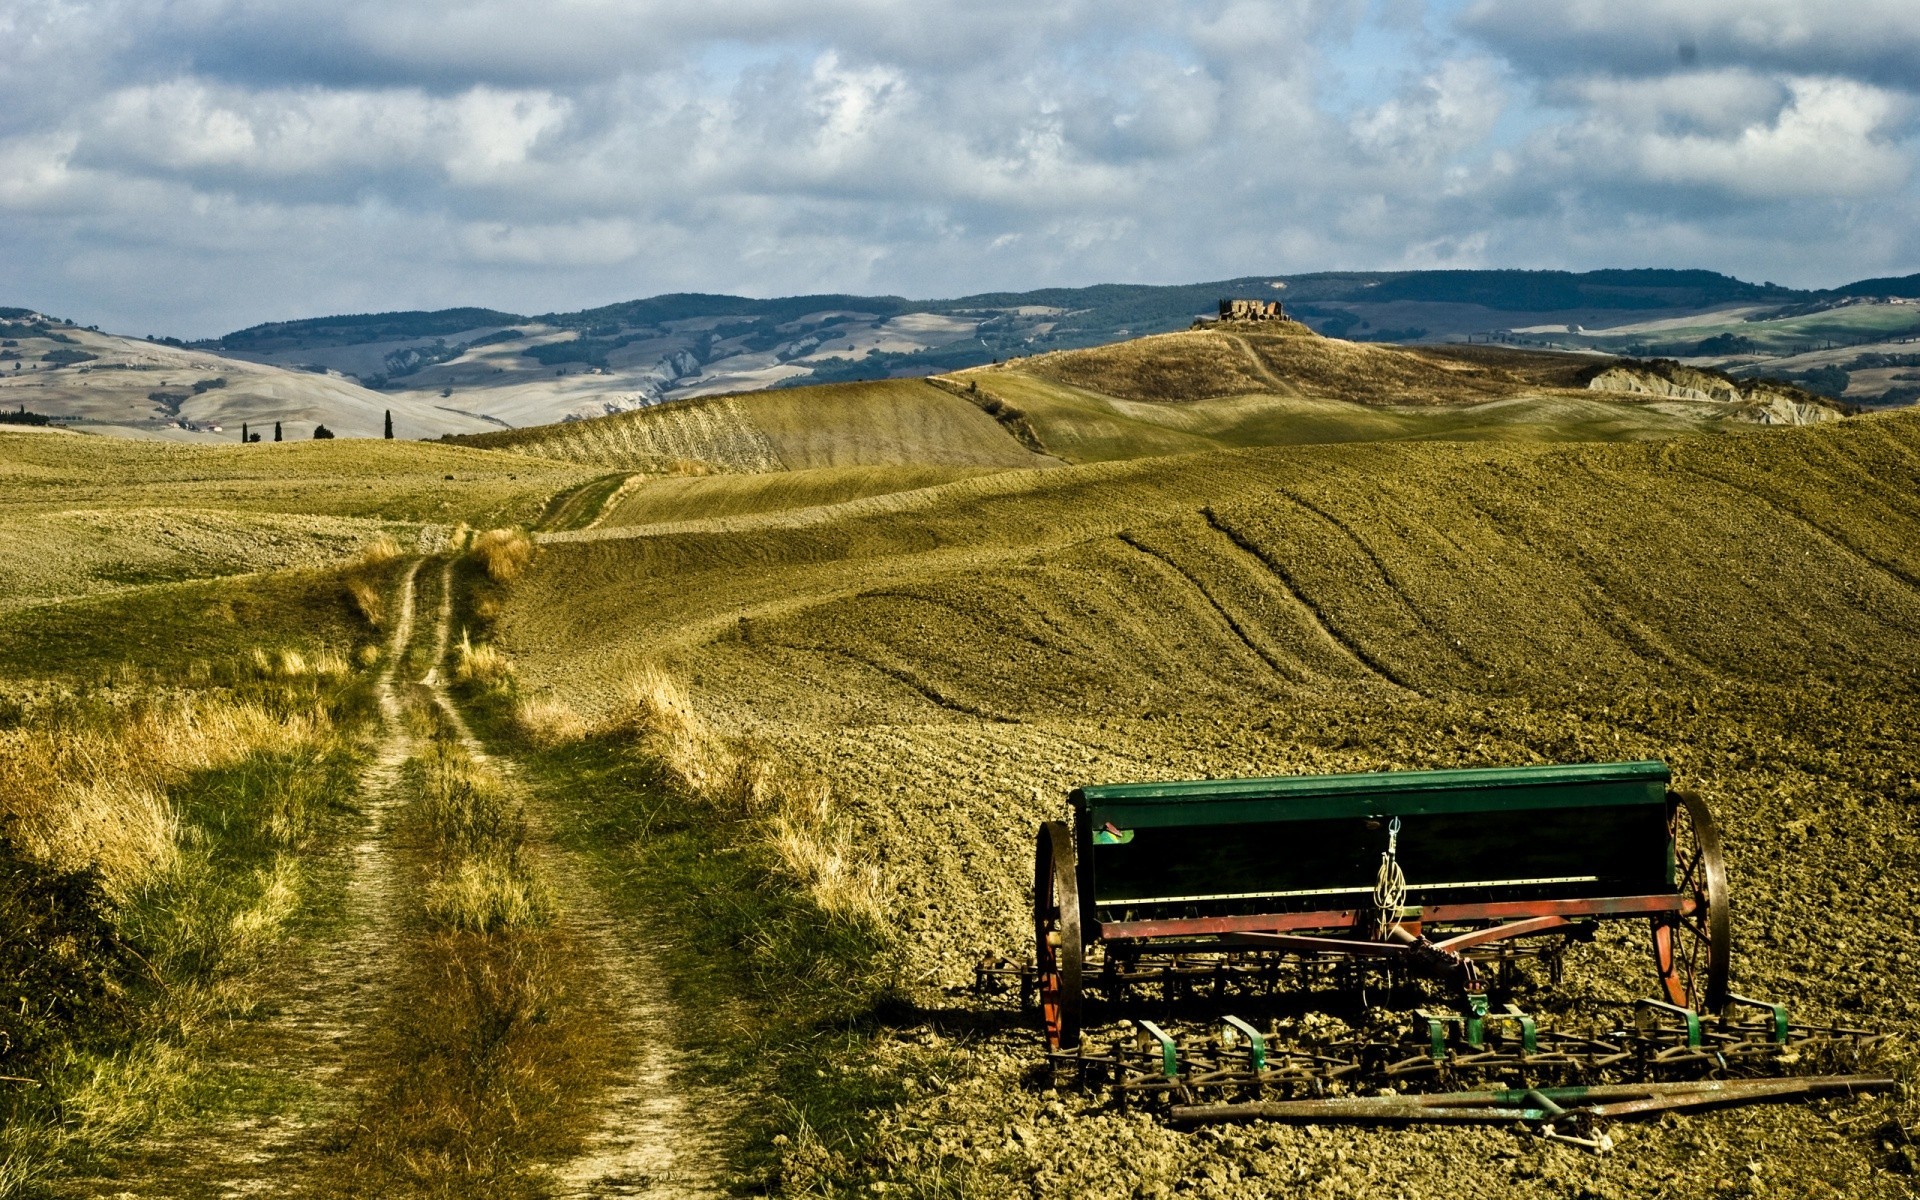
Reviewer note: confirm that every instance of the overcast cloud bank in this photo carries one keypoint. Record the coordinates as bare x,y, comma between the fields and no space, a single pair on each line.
191,166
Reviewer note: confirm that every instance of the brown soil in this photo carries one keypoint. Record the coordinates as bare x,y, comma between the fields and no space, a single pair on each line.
1747,608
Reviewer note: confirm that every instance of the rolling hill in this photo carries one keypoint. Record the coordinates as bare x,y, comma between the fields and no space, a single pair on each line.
952,660
1220,386
465,369
671,815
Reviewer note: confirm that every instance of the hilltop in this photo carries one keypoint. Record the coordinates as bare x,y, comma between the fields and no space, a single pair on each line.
1212,387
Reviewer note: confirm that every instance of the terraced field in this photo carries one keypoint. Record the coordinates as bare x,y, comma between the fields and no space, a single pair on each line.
955,660
890,423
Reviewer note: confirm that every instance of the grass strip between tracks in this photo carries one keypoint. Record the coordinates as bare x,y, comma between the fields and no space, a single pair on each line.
487,1054
776,998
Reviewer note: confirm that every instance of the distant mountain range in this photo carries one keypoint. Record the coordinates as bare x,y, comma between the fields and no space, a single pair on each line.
479,367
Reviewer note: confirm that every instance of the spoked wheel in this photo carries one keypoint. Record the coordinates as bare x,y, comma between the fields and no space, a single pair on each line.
1056,933
1692,949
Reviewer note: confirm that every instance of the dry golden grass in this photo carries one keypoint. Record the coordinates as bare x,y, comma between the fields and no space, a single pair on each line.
349,477
504,553
368,599
1282,359
816,851
806,840
482,665
486,894
379,550
892,422
655,707
548,721
655,501
92,792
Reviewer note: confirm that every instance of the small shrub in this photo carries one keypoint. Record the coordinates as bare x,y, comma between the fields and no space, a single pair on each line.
504,552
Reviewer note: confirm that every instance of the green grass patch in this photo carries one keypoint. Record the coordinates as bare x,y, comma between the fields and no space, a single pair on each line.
191,632
576,509
779,1001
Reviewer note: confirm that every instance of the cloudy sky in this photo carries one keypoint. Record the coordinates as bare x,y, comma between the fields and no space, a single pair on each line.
192,166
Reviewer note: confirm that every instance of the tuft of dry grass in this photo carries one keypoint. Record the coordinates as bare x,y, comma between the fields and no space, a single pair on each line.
655,707
817,853
807,842
486,894
548,721
363,577
482,665
504,553
379,550
90,790
368,599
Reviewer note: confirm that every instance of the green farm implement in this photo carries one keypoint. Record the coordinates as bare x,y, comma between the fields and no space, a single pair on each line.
1173,898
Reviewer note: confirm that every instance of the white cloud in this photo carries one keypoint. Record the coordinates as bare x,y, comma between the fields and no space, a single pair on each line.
225,161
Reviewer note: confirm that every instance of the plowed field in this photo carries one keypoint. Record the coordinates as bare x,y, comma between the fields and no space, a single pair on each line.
1746,607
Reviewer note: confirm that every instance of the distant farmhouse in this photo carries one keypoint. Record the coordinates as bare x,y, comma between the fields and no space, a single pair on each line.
1252,310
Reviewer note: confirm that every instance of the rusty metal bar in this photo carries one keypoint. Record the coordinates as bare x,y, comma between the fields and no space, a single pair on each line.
1495,933
1431,914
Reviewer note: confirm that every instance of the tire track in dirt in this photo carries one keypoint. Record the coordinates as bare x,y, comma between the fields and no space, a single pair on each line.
645,1141
1335,640
1213,602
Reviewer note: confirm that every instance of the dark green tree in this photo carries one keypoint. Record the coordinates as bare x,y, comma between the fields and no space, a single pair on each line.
322,433
244,439
276,431
389,424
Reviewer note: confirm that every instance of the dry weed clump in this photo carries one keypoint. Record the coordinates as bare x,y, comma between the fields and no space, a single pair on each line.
504,553
476,825
696,758
482,665
363,577
816,852
379,550
486,894
548,721
807,843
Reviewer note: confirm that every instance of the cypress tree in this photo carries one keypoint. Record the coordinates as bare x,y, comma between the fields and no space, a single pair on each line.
244,439
276,431
389,424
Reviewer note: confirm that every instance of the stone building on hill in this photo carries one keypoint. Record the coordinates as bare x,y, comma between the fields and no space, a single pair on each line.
1252,310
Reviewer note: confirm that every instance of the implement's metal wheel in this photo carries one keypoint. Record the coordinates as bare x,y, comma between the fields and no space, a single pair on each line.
1056,933
1692,950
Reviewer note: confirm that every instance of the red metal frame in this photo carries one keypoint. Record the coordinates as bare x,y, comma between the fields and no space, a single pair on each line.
1523,916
